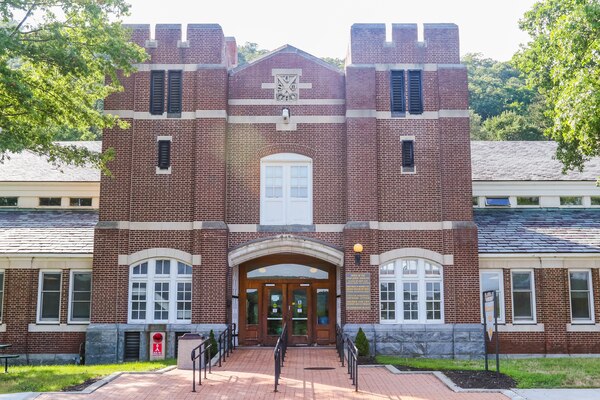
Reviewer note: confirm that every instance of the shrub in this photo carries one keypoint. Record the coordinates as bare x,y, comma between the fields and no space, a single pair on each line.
214,348
362,344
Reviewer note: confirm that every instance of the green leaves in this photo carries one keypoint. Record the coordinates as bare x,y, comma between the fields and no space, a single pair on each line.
57,60
563,61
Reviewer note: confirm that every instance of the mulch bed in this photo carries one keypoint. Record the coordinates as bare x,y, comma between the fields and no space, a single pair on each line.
366,360
81,386
468,379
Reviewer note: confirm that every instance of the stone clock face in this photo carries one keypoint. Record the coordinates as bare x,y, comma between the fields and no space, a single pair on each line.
286,87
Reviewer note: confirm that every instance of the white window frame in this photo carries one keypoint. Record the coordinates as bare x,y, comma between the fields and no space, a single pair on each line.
39,301
286,161
421,279
71,280
591,299
2,294
150,279
502,308
533,300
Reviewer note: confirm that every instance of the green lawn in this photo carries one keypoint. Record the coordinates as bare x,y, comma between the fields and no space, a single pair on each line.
529,373
50,378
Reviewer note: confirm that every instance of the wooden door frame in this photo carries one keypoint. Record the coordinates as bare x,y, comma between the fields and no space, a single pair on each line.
315,284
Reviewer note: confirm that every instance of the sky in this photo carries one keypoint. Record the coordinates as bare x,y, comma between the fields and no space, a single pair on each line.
322,27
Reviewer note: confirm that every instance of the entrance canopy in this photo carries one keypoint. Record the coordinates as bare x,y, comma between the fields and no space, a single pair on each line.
286,244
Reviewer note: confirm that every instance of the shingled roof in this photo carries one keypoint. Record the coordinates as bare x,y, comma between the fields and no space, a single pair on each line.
47,232
29,167
524,161
538,230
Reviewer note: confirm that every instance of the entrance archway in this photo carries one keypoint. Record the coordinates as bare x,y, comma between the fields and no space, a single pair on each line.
291,289
286,279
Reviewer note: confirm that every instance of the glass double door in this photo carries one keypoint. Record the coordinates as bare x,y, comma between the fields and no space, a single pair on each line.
291,304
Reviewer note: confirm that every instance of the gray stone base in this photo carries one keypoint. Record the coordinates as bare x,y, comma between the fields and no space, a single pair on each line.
42,359
463,341
104,343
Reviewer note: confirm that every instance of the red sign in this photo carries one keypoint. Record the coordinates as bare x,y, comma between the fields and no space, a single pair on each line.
157,349
157,345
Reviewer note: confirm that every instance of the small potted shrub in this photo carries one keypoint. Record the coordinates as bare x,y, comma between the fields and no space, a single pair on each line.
362,345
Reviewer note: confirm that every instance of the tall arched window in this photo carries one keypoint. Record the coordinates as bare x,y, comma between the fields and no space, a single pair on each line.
160,291
286,189
411,291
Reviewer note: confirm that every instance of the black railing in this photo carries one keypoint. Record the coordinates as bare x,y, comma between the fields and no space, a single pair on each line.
339,342
201,353
279,354
352,354
226,342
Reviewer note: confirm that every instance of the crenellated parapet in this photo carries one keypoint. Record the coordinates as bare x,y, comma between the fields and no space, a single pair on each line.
204,44
440,44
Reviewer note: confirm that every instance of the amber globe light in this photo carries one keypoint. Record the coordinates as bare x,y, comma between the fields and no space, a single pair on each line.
358,248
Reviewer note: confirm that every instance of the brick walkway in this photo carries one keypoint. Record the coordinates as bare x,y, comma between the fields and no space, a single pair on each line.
248,374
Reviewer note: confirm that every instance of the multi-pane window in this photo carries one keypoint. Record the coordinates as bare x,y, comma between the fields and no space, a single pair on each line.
274,182
49,297
9,201
528,201
411,291
299,181
571,201
1,293
160,291
80,296
523,296
50,201
80,201
387,291
286,190
493,280
580,283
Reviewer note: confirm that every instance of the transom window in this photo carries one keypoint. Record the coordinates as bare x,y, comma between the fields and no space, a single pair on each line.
411,291
286,190
160,291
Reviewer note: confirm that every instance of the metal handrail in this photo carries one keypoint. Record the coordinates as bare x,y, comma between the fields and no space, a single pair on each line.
202,350
226,342
279,353
352,356
339,342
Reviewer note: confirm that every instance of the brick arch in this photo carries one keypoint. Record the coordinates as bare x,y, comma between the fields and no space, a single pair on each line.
287,148
285,244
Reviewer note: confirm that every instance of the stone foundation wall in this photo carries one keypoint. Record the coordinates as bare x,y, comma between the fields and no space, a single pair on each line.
105,343
461,341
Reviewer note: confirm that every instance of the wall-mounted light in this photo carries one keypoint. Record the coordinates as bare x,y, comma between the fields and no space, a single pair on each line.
285,113
358,248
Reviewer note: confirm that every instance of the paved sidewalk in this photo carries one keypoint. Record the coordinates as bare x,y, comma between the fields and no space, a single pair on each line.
248,374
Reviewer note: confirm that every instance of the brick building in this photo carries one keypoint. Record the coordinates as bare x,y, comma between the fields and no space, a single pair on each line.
239,193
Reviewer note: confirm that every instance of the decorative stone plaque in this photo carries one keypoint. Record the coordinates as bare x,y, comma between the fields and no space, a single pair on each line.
358,291
286,87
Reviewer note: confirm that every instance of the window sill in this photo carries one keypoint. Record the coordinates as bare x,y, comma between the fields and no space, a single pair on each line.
160,171
583,327
56,327
521,327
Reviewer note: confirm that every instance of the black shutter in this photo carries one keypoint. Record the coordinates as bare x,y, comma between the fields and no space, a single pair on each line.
397,91
174,101
408,154
132,346
164,154
157,92
415,102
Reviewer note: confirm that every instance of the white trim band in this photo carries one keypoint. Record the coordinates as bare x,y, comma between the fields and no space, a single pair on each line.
144,115
297,119
520,327
300,102
369,113
57,327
